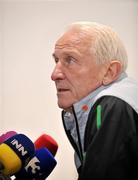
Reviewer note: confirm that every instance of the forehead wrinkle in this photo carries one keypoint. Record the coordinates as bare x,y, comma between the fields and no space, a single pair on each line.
71,41
68,51
73,37
62,45
74,42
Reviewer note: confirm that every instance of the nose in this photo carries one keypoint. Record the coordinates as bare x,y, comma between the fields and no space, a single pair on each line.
57,73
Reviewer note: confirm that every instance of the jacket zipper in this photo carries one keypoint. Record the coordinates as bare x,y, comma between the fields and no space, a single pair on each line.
78,148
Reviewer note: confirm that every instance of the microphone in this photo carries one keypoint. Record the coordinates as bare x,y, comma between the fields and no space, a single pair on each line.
3,177
39,167
46,141
14,153
6,136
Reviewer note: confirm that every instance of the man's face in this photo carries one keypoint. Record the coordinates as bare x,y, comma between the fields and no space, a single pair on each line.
76,73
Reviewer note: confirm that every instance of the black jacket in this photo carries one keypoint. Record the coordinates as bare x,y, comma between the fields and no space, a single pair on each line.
111,152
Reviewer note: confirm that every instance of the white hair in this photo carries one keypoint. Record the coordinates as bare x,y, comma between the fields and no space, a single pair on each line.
107,46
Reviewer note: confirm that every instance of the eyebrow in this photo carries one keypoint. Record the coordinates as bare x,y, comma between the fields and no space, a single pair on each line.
54,55
68,52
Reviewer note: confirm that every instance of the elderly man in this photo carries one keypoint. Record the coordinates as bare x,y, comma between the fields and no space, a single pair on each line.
99,101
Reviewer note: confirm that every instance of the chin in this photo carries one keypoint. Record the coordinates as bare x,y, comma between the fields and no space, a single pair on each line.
64,106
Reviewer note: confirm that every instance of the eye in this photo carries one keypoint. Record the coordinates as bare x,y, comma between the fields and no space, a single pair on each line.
69,60
55,59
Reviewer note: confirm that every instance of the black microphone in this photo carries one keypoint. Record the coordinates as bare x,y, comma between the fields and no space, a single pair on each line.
4,177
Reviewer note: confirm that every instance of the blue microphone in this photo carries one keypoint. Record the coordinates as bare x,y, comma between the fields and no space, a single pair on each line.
39,167
15,153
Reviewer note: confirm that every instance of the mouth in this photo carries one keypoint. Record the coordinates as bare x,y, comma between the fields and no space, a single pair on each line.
62,90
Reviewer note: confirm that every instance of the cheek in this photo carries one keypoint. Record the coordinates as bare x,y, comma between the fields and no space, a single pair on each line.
80,88
83,81
86,84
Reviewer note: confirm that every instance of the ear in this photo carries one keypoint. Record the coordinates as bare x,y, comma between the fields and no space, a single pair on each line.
112,73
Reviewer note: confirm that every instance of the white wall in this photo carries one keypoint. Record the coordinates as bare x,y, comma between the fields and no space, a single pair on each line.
30,29
0,66
1,99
